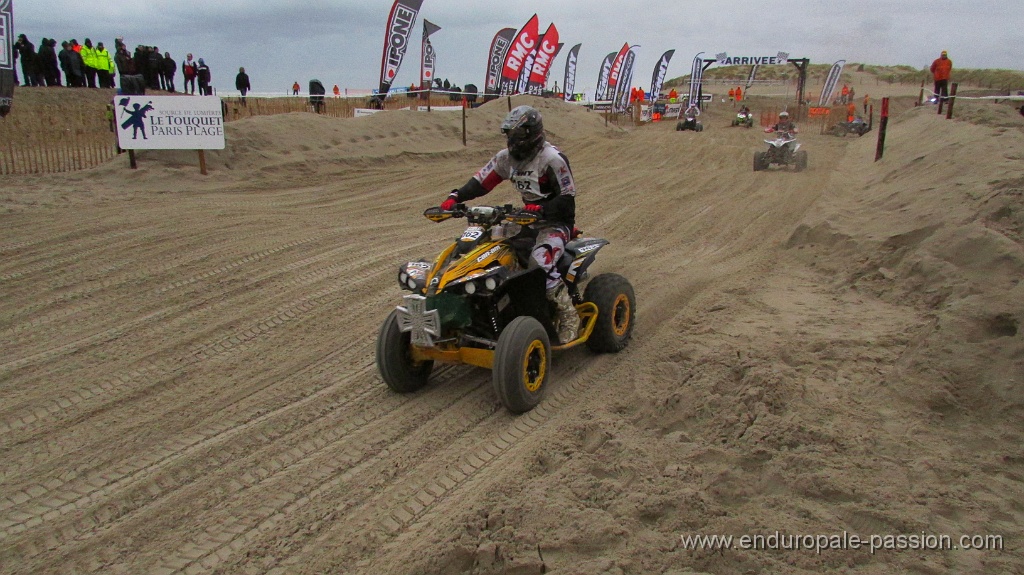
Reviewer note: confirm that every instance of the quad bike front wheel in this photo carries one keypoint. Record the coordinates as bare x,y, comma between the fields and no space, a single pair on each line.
616,312
522,364
394,358
800,160
760,162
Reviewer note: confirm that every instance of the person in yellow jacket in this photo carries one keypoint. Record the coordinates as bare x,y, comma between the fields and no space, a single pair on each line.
104,66
89,60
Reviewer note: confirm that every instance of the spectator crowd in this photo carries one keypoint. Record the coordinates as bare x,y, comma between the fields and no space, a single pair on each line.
87,66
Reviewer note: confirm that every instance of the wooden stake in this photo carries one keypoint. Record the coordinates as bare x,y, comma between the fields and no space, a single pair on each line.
881,129
202,162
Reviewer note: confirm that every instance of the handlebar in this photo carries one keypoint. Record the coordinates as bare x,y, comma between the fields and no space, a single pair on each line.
486,215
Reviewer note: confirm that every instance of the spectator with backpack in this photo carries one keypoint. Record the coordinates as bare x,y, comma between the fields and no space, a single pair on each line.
203,76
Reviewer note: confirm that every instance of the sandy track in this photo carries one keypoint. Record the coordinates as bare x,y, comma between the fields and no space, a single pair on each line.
189,384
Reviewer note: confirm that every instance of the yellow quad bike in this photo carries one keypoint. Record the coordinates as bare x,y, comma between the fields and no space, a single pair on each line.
481,303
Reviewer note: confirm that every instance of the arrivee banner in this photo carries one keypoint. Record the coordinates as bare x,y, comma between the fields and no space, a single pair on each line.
169,122
6,56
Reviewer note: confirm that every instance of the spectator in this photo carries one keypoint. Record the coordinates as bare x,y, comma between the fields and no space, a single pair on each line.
867,102
48,62
88,53
156,69
65,62
337,91
673,95
203,76
242,84
844,94
941,69
77,65
188,69
295,89
29,60
132,83
170,67
104,66
739,94
732,95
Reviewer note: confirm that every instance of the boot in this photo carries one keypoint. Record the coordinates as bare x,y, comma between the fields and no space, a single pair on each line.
567,321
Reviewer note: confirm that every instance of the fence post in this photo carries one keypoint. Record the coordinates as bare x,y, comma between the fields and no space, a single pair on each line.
881,129
920,97
463,121
952,98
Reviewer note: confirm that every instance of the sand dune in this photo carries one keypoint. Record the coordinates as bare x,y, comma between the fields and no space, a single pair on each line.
188,379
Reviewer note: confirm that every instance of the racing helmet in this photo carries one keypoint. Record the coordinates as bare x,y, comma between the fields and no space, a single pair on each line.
783,115
524,132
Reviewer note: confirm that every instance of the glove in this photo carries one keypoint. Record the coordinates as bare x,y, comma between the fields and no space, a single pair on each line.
535,208
449,204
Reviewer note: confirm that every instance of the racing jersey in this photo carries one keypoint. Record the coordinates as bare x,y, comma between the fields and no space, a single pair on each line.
545,179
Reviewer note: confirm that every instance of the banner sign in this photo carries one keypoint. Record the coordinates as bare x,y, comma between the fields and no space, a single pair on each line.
613,77
622,90
523,44
428,56
569,80
726,60
831,81
169,122
659,74
750,78
602,79
6,56
496,58
696,73
396,40
543,58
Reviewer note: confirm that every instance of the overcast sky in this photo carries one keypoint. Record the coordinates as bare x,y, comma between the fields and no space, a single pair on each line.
341,41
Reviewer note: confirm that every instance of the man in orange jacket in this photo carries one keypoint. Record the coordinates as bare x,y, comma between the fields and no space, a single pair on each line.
941,68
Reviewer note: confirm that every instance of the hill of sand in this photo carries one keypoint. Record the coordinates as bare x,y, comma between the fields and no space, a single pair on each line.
187,383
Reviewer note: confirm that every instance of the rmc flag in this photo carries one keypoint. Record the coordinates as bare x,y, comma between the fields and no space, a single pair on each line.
569,84
427,64
6,56
830,83
616,72
624,88
524,43
542,60
659,74
396,40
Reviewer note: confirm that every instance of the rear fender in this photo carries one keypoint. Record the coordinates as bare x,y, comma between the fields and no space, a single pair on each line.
582,253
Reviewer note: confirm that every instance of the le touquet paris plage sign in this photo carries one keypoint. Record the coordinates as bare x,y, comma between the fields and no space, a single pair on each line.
169,122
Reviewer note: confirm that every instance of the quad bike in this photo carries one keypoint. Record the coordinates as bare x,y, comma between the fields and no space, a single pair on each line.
689,123
857,126
481,303
784,150
743,119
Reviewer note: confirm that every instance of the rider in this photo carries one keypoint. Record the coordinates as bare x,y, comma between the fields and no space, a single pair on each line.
784,125
542,175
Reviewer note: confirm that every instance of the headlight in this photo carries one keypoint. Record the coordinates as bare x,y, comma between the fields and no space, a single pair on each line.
403,277
490,283
411,283
470,288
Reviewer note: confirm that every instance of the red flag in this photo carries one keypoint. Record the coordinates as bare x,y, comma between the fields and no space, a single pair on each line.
542,61
522,45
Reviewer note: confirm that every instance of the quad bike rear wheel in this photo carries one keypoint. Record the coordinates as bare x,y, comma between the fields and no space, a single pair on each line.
616,312
800,160
394,358
522,364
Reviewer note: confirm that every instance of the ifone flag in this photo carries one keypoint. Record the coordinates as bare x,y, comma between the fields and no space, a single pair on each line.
396,40
496,58
428,56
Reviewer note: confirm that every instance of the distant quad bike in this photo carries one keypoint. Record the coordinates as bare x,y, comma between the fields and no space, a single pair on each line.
857,126
783,150
481,303
689,123
743,119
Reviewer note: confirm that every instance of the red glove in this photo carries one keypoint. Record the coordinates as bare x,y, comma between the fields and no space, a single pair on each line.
535,208
449,204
